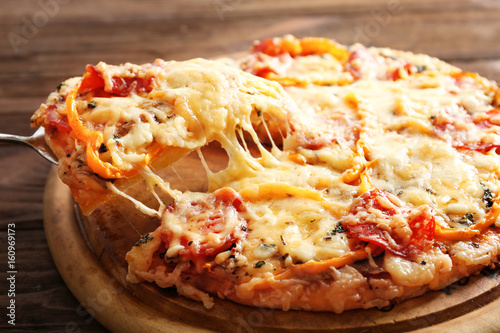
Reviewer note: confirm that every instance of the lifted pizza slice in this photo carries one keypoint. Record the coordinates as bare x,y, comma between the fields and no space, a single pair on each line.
113,123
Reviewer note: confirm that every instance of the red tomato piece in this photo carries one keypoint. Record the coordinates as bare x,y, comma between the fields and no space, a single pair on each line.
211,226
121,86
455,126
480,147
269,46
361,227
360,62
488,121
423,227
55,119
92,79
396,74
276,46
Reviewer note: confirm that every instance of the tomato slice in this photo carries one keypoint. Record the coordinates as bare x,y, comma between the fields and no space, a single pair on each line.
210,226
92,79
361,224
459,128
423,227
57,120
121,86
360,62
396,74
492,119
480,147
275,46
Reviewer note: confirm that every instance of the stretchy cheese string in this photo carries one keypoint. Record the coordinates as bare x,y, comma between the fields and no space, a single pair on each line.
94,140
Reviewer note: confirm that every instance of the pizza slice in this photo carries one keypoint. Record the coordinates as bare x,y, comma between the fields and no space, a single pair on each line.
117,122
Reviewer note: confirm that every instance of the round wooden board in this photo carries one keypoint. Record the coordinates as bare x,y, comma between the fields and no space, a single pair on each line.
90,255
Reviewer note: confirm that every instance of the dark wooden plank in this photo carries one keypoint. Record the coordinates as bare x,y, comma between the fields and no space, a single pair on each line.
64,10
57,53
459,34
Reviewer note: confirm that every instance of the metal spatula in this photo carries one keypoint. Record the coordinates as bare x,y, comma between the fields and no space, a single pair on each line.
36,141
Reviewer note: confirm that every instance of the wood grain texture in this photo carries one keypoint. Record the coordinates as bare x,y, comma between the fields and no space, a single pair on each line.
464,32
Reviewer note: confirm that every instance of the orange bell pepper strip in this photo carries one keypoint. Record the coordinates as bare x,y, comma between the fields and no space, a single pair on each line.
317,267
302,47
95,139
278,190
457,234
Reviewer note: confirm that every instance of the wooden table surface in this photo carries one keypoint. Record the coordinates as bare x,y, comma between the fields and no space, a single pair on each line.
43,42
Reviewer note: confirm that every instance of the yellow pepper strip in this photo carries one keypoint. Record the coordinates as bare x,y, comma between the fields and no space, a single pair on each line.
277,190
365,177
295,82
490,219
297,158
457,234
476,77
361,171
353,174
352,100
94,139
318,45
318,267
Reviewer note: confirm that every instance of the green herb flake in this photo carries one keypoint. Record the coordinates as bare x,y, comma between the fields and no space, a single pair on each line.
268,246
102,148
487,195
337,230
144,239
259,264
92,105
467,219
421,68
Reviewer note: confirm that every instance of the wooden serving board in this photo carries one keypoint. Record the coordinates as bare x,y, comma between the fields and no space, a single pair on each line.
90,255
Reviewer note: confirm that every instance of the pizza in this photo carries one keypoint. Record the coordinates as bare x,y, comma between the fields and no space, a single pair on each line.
357,176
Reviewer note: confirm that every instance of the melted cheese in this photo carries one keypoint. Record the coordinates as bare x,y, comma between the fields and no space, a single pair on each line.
413,136
394,122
